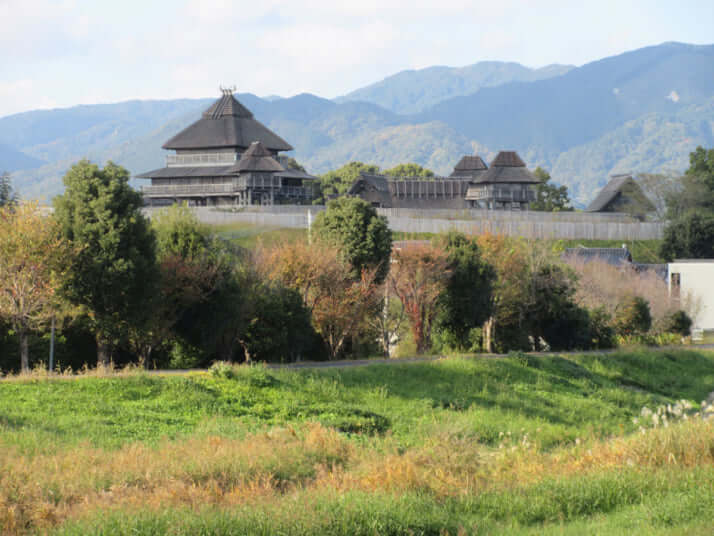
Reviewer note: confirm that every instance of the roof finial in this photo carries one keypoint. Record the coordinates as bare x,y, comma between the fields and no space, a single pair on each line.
227,90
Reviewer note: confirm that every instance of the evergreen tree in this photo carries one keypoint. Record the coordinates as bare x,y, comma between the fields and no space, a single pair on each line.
549,198
115,269
363,237
8,196
466,302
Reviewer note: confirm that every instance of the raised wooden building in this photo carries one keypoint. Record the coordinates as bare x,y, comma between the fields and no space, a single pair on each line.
227,158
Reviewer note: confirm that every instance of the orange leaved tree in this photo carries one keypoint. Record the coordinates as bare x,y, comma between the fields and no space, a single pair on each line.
339,303
418,275
33,258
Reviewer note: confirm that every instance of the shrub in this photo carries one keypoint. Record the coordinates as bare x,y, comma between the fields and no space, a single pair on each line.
678,322
632,316
602,334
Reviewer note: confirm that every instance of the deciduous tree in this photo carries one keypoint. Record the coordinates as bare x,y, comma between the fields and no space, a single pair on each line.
336,300
115,269
418,277
409,170
33,258
338,181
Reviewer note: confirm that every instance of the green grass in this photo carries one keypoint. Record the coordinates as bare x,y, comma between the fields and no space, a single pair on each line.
555,400
247,235
413,415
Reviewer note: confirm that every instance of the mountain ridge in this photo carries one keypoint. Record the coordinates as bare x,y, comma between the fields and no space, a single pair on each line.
655,101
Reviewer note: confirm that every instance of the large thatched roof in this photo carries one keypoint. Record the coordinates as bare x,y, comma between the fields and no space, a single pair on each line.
226,124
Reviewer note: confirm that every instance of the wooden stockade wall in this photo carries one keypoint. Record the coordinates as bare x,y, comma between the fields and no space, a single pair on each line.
564,225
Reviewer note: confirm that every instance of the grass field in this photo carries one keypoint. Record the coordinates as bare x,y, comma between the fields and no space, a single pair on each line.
524,445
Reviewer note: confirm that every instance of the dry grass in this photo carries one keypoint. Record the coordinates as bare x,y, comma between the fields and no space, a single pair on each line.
41,491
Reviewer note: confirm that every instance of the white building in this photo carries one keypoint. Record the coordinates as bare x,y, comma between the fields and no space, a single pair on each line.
694,277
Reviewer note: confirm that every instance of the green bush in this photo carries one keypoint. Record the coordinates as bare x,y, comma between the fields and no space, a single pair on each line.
633,317
678,322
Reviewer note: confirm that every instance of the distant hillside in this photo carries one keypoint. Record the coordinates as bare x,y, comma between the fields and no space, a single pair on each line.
414,91
642,111
12,159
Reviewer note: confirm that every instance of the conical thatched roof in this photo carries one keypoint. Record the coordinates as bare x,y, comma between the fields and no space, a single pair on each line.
508,167
226,124
257,158
470,166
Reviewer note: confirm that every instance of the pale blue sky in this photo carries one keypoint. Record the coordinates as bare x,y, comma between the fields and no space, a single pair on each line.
58,53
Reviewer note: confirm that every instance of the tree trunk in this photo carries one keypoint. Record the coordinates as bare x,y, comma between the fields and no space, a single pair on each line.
104,355
24,351
488,334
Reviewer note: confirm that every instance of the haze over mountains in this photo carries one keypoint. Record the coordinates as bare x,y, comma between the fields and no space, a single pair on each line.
642,111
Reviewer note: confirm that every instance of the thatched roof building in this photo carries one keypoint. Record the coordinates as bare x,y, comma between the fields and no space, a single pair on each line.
227,124
621,194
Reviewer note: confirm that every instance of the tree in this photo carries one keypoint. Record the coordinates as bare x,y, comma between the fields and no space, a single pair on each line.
660,188
697,187
190,265
409,170
363,238
115,270
8,196
418,277
690,236
33,257
338,181
294,164
338,303
466,302
549,198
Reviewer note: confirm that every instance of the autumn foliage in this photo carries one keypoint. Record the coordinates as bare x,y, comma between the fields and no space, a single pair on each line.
418,276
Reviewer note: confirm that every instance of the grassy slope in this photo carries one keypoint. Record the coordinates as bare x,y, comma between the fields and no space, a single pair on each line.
418,420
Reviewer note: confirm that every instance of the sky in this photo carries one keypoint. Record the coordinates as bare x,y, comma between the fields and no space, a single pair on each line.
59,53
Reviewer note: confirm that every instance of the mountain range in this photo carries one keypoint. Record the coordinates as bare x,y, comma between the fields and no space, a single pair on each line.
641,111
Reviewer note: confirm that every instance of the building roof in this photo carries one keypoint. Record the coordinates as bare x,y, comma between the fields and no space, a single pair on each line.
470,166
227,123
377,184
257,158
612,256
295,174
614,188
507,167
187,171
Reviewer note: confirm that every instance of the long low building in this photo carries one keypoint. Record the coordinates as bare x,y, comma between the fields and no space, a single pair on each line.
506,185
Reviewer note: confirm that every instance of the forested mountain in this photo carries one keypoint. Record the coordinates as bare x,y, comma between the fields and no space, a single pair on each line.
414,91
642,111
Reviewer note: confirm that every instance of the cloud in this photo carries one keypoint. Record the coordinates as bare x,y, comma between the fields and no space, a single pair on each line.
83,49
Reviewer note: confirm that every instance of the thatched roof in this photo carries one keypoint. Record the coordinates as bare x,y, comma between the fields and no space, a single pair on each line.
615,188
227,123
187,171
470,166
507,167
257,158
